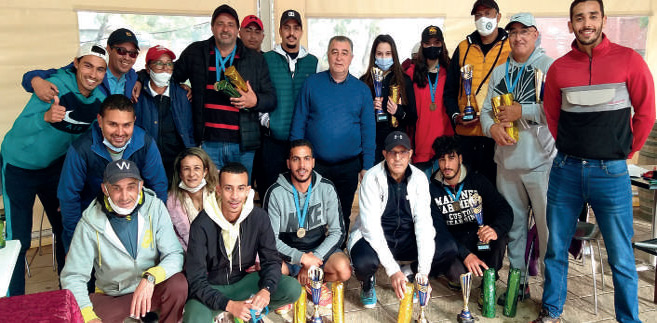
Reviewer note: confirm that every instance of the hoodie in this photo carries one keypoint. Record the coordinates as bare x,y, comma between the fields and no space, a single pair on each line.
208,262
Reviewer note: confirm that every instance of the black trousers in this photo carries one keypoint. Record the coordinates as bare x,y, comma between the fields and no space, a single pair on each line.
344,176
270,161
478,153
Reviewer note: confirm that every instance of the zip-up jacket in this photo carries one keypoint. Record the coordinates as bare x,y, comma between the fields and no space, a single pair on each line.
324,223
372,201
589,101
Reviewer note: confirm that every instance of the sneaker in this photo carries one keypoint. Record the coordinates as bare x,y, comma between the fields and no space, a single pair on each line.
368,297
544,317
284,309
521,296
325,296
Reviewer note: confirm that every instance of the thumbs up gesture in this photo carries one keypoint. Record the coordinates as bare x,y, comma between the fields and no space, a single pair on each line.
56,112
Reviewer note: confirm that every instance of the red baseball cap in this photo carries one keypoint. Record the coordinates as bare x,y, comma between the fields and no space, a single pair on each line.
157,51
251,19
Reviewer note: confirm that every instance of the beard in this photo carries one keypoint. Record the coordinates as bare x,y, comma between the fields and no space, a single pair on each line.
301,180
596,36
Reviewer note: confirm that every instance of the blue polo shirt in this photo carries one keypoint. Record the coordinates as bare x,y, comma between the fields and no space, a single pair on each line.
117,85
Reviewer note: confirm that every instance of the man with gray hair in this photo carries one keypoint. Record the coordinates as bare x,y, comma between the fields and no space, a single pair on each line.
335,107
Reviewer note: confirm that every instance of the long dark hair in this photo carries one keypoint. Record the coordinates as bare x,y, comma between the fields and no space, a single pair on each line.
397,72
421,67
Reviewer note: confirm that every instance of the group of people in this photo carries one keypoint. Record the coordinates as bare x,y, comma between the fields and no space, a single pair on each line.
141,175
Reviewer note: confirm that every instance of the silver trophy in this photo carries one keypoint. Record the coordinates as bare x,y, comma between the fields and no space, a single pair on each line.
539,83
477,209
422,285
469,113
377,80
465,316
316,276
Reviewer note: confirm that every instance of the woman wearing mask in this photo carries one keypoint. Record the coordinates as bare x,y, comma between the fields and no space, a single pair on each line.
391,116
163,109
195,178
429,74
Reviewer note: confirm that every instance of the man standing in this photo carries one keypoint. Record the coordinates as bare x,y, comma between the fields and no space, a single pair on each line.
289,66
223,242
394,226
523,167
33,150
335,107
113,137
251,33
484,49
600,107
227,127
126,236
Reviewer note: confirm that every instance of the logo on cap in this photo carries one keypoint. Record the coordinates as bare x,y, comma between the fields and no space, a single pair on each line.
433,30
127,33
397,137
290,14
123,165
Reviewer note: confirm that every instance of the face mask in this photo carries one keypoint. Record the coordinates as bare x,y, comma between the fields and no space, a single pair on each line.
432,52
119,210
383,63
486,26
116,149
160,79
192,189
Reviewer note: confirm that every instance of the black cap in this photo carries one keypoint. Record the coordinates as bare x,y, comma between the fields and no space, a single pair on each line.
122,35
224,8
431,32
291,14
120,169
486,3
397,138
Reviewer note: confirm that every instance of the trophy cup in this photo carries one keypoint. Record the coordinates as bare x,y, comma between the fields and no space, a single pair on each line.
406,305
475,204
377,80
316,276
469,113
496,103
300,308
422,284
465,316
394,96
337,288
234,76
539,83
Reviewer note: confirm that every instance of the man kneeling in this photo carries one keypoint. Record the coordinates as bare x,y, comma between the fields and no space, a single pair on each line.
127,237
223,242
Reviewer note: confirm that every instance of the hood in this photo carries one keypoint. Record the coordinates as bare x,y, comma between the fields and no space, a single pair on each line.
438,176
98,219
538,53
303,52
285,181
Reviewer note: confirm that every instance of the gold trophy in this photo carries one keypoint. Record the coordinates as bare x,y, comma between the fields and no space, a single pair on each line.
234,76
539,82
300,307
422,283
316,276
394,97
406,305
465,316
469,112
502,100
337,309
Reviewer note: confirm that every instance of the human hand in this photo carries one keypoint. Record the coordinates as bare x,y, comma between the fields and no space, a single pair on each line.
510,113
260,300
474,264
378,102
240,309
141,299
499,134
136,90
308,260
246,100
43,89
486,234
95,321
470,123
398,281
56,113
392,107
189,91
361,174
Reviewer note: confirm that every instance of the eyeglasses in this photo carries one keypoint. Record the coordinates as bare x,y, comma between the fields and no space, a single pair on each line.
397,154
122,51
522,32
159,65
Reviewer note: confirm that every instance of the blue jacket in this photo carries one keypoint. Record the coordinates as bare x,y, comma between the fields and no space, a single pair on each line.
148,114
85,164
130,80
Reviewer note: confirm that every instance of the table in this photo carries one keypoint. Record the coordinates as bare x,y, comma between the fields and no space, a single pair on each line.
649,246
8,257
52,306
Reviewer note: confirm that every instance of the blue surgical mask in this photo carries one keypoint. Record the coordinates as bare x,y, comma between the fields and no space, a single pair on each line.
383,63
116,149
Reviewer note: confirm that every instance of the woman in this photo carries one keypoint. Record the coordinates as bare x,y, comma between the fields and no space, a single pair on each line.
195,178
384,56
429,73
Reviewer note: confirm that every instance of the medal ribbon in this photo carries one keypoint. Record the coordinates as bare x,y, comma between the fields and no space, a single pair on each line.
218,59
507,76
458,193
301,216
434,85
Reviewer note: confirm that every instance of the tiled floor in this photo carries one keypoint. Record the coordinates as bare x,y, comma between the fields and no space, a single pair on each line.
445,304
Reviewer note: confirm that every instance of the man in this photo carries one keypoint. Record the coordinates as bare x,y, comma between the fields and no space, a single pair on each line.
33,150
453,191
123,49
126,236
227,128
306,217
251,33
394,224
223,242
523,167
289,66
484,49
600,108
114,137
335,107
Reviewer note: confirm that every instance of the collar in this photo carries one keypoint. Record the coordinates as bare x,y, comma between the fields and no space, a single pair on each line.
111,76
600,49
154,94
336,82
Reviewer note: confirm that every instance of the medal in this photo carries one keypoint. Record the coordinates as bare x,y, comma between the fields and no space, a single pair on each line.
457,206
455,197
432,107
216,86
301,232
432,89
301,216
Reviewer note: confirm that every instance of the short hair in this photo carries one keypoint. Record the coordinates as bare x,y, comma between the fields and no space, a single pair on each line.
576,2
212,177
301,143
341,38
446,145
116,102
233,168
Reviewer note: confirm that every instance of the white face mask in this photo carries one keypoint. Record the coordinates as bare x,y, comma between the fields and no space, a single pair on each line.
116,149
160,79
486,26
192,189
119,210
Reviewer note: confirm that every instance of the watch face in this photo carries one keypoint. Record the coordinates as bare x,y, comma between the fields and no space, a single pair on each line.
150,278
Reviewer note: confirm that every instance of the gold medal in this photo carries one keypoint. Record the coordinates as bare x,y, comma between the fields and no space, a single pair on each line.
216,86
456,206
301,232
432,107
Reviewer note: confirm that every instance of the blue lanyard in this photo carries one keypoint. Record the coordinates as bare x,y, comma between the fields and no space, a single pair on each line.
434,85
218,59
507,76
458,193
254,314
302,216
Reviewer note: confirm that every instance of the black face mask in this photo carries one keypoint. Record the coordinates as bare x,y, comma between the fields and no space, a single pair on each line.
432,52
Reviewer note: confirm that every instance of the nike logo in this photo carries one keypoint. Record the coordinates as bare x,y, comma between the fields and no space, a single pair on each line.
68,119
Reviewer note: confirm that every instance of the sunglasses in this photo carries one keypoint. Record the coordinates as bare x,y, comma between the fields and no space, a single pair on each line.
122,51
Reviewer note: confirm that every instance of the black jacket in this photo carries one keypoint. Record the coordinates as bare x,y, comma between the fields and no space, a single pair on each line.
207,263
193,65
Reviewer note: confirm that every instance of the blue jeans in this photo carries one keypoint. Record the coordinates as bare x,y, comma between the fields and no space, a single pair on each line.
222,153
605,185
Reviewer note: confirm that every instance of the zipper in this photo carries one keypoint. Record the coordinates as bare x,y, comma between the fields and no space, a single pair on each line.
590,68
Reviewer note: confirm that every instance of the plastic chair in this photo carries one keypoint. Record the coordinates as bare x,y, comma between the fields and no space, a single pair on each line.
587,233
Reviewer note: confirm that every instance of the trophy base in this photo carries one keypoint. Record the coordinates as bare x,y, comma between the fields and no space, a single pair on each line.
317,319
381,117
468,117
465,317
483,247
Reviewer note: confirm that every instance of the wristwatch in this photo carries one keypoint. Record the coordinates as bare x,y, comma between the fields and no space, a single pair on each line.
150,278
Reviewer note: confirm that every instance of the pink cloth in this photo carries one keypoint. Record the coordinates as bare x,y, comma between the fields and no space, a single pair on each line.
179,219
55,306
